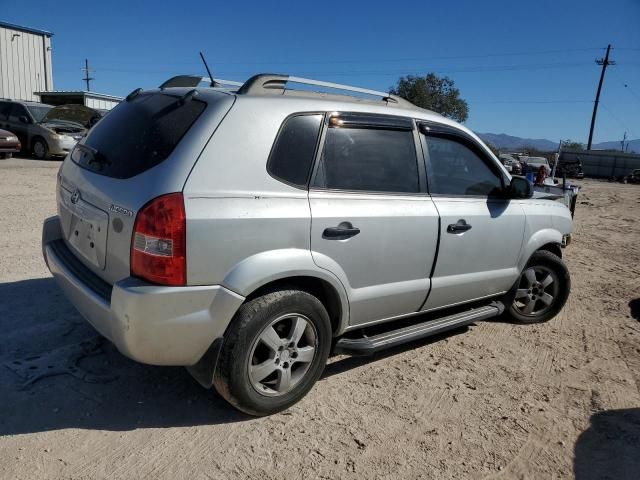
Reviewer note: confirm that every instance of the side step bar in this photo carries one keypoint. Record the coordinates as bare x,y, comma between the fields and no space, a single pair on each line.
368,345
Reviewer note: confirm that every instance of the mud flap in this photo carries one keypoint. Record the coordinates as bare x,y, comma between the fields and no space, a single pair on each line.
204,370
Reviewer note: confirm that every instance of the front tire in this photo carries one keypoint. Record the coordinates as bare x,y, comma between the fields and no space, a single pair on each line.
542,289
274,351
40,149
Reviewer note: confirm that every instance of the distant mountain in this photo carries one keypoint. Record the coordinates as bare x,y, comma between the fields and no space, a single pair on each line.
508,142
634,145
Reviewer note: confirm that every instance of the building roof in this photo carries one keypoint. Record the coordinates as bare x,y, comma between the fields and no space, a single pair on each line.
13,26
62,93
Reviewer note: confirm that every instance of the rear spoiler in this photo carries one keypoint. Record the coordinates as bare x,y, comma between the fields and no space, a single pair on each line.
195,80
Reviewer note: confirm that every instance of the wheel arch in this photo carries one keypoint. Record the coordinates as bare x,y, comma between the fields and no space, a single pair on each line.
546,239
270,270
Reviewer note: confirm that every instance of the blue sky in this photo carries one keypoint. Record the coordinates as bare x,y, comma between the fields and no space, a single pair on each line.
526,68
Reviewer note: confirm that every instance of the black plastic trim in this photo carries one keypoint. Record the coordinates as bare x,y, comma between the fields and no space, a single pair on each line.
81,272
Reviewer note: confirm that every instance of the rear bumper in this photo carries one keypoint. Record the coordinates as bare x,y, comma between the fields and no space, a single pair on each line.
148,323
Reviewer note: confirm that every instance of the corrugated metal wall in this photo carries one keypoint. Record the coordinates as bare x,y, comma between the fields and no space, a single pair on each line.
603,164
25,64
100,103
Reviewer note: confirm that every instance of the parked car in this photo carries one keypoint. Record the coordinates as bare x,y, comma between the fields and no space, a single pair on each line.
512,165
572,169
43,130
633,177
533,164
9,144
248,234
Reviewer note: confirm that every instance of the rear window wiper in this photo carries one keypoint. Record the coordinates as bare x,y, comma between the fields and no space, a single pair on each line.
93,154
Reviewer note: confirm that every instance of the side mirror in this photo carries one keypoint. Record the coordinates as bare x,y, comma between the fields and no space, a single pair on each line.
23,119
520,187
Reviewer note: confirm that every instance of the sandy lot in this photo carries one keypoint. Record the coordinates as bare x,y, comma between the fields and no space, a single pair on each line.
494,400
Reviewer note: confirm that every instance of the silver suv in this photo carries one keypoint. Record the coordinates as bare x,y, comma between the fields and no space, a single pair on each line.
247,234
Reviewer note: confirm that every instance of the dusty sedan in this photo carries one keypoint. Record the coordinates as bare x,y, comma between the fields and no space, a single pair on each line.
9,144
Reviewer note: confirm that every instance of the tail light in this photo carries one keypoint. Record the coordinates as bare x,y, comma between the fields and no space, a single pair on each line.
158,246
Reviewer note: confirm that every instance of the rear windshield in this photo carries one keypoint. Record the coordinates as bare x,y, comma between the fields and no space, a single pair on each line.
137,135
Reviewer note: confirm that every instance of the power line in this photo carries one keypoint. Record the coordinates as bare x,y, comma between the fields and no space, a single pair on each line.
390,60
395,72
618,119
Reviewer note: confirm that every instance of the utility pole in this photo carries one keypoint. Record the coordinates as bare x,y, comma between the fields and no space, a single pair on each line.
86,71
624,139
604,62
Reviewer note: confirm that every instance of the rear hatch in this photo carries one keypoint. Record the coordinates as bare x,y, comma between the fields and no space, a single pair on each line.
144,148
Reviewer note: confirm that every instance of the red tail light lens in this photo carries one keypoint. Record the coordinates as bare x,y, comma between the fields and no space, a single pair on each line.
158,246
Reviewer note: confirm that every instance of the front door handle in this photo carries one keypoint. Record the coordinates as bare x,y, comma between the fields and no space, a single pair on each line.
341,232
459,227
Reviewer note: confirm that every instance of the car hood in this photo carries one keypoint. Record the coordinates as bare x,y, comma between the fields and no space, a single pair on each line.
71,115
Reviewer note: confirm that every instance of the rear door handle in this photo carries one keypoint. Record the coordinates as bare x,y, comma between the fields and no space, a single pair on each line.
341,232
459,227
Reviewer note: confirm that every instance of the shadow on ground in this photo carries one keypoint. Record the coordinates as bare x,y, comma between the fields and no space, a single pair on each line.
56,372
610,447
634,307
41,330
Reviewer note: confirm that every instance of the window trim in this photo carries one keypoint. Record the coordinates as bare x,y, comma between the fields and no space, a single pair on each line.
437,130
311,172
359,120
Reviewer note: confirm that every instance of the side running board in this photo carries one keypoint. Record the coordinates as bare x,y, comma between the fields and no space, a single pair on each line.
366,345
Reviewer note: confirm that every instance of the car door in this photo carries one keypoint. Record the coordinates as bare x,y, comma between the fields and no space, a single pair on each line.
372,222
16,126
481,230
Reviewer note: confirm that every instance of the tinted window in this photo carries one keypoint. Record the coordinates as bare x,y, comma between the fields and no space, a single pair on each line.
369,160
16,112
137,135
457,170
4,110
294,149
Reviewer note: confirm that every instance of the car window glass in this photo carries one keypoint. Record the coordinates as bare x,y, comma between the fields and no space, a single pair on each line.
137,135
454,169
369,160
5,108
16,112
294,149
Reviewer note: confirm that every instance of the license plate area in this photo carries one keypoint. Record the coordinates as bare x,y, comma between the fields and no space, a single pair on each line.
85,229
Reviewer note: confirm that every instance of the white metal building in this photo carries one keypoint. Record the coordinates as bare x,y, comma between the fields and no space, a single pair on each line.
25,62
95,100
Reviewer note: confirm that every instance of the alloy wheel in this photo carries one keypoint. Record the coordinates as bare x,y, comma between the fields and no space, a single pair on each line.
537,291
282,354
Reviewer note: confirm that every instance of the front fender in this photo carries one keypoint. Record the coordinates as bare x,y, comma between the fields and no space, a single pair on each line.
266,267
536,241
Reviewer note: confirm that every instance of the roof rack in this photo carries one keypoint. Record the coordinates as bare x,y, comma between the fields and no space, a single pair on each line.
273,83
195,80
270,83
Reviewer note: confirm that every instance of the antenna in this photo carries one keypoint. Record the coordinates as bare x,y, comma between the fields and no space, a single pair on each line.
213,82
86,71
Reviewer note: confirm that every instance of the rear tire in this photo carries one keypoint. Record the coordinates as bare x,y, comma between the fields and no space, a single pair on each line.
6,156
40,149
542,289
274,351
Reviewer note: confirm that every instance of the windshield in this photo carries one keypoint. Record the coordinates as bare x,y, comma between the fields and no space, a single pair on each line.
38,112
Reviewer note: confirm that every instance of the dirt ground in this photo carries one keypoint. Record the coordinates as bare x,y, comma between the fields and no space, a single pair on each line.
495,400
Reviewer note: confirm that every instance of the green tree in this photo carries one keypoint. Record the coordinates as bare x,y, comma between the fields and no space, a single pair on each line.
433,93
569,144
